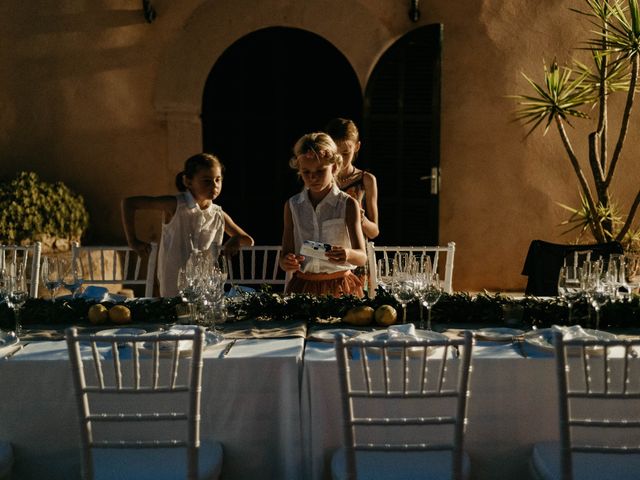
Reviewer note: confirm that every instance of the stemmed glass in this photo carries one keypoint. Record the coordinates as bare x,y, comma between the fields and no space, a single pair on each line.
430,293
50,275
384,274
403,281
569,288
17,295
616,275
72,276
188,289
597,288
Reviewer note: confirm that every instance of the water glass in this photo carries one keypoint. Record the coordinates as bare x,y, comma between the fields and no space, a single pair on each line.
403,290
17,295
73,276
429,293
569,287
51,276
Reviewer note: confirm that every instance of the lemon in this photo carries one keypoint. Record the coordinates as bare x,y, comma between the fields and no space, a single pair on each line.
362,315
119,314
98,314
386,315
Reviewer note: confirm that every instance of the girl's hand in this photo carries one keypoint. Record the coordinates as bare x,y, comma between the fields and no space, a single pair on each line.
337,254
291,262
232,246
143,249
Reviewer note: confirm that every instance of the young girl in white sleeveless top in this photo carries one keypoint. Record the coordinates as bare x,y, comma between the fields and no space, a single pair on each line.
192,220
321,213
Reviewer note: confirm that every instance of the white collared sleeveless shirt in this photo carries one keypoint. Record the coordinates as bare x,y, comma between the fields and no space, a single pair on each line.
190,228
325,223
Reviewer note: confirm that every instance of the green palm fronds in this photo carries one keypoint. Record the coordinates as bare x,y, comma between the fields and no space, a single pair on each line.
617,33
581,218
568,91
562,95
616,78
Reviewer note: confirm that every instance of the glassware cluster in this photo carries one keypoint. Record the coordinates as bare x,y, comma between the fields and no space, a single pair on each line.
201,284
598,281
409,277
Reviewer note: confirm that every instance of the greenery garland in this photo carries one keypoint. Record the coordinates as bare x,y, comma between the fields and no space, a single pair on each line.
458,308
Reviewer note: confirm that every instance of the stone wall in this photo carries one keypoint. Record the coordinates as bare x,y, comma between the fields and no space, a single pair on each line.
94,96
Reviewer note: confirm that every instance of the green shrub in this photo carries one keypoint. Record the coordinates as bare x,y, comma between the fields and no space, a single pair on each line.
34,210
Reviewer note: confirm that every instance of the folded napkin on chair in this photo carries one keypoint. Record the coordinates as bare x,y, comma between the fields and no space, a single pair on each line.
402,332
574,332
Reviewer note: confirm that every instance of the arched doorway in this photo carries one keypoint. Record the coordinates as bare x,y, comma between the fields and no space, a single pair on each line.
265,91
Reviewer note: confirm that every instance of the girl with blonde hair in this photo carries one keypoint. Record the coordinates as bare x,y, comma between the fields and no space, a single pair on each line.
321,213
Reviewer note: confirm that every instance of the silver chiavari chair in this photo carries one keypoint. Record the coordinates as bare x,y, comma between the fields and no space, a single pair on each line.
404,408
117,265
599,412
139,406
25,259
440,257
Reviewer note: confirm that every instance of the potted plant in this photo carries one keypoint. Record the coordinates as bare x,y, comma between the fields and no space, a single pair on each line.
575,91
33,210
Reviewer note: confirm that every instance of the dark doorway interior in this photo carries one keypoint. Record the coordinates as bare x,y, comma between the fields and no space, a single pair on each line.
267,89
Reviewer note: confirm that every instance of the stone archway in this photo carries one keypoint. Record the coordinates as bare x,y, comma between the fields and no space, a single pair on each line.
214,26
267,89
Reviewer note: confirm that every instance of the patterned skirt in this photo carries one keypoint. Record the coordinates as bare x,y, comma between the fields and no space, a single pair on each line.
334,284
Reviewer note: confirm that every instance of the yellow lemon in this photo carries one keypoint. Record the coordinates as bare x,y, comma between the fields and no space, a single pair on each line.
386,315
120,314
98,314
362,315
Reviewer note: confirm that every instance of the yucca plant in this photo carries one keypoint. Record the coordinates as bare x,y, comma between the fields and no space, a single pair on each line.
572,91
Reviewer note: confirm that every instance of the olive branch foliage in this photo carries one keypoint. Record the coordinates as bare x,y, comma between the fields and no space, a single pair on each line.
458,309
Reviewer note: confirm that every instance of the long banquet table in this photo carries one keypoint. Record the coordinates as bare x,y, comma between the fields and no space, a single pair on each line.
274,404
250,404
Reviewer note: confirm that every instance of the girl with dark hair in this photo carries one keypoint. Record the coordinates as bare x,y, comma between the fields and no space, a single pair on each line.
192,220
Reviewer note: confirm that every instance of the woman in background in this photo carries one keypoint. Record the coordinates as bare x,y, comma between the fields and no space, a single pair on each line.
360,184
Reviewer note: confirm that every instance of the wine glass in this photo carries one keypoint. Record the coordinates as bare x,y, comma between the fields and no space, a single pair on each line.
430,294
598,289
4,280
188,289
50,275
383,273
569,288
17,296
403,290
617,276
73,276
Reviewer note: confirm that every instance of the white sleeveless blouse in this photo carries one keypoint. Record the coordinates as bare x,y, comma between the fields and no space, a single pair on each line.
325,223
189,228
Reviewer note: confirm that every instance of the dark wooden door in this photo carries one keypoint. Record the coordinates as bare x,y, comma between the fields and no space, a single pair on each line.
401,137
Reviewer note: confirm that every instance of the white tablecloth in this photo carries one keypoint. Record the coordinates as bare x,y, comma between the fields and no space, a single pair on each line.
250,403
513,404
